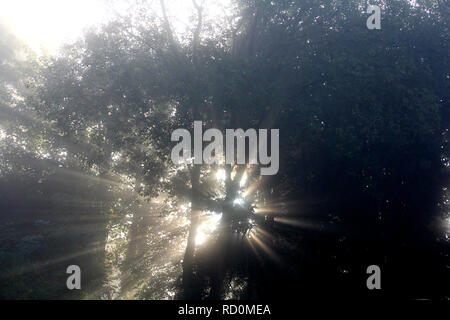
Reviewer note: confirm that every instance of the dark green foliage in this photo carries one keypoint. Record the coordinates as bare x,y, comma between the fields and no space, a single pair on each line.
363,118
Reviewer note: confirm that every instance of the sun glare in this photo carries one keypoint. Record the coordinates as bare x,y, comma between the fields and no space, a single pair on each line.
238,201
45,25
243,180
221,175
207,227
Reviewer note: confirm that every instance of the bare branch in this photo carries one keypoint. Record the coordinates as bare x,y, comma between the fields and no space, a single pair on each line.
172,40
196,41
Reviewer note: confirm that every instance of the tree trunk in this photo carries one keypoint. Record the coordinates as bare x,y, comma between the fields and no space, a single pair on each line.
189,286
188,261
135,222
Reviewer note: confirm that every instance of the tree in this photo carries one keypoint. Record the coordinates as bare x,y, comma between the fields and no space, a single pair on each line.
361,115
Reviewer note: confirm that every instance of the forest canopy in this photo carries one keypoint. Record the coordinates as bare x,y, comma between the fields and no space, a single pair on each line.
86,176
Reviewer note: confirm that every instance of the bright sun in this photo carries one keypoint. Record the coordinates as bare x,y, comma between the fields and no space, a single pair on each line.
47,24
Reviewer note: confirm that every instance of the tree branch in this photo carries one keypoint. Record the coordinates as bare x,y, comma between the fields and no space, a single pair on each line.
170,34
196,41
